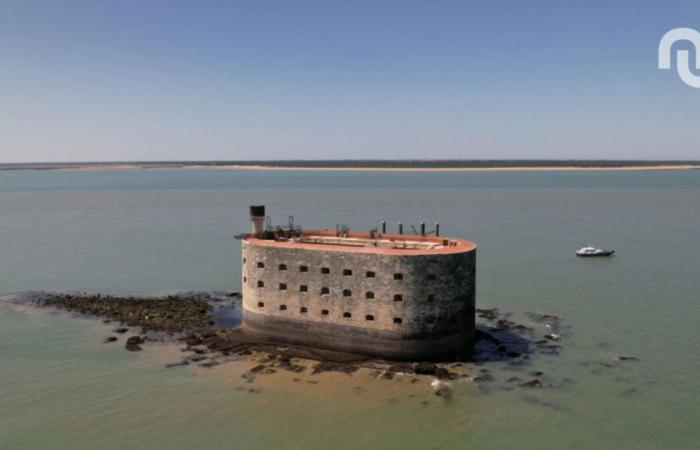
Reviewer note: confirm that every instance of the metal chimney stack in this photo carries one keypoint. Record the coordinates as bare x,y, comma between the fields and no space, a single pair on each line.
257,219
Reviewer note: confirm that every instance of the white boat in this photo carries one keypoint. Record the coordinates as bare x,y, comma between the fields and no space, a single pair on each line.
592,251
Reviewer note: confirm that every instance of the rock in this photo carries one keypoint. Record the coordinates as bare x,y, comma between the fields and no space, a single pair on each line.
134,340
441,389
488,314
627,358
177,364
258,368
486,377
233,294
133,348
386,375
424,368
193,340
110,339
121,330
552,336
401,368
444,374
534,383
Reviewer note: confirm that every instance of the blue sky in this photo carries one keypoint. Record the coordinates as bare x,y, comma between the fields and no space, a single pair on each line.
182,80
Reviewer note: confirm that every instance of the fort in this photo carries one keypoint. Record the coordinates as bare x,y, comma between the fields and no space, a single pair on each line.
390,295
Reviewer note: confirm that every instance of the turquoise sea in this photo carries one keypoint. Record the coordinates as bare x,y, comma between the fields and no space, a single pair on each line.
167,231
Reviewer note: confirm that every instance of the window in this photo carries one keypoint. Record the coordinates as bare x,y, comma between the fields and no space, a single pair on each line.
261,305
283,267
347,272
369,294
303,268
261,284
324,312
369,317
431,297
398,297
303,288
432,277
325,291
283,286
245,279
261,265
398,321
398,276
283,307
347,315
370,274
347,293
244,260
325,270
303,310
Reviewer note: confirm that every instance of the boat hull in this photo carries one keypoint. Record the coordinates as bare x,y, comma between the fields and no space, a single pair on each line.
594,255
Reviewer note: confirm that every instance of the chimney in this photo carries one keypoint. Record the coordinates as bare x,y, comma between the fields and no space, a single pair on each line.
257,219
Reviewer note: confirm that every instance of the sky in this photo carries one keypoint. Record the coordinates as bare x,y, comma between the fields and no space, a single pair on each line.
252,80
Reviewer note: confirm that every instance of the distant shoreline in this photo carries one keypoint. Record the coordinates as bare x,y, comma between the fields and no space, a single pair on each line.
370,166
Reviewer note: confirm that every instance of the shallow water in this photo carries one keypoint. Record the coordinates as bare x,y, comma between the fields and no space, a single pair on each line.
165,231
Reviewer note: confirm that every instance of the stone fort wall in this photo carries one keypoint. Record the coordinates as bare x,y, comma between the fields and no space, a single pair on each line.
397,306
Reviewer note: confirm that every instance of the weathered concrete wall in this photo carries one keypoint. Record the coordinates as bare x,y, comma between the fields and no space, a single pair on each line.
426,313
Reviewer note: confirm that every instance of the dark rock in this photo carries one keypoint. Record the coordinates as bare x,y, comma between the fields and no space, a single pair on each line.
121,330
133,347
401,368
486,377
134,340
488,314
444,374
444,391
177,364
329,366
386,375
627,358
193,340
534,383
258,368
110,339
425,368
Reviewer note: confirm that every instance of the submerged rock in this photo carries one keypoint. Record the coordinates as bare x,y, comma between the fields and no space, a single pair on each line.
110,339
425,368
534,383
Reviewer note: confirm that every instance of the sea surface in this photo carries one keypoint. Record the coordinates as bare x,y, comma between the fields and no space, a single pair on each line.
167,231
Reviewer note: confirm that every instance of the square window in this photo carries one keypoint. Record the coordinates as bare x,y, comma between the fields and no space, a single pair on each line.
283,286
398,276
